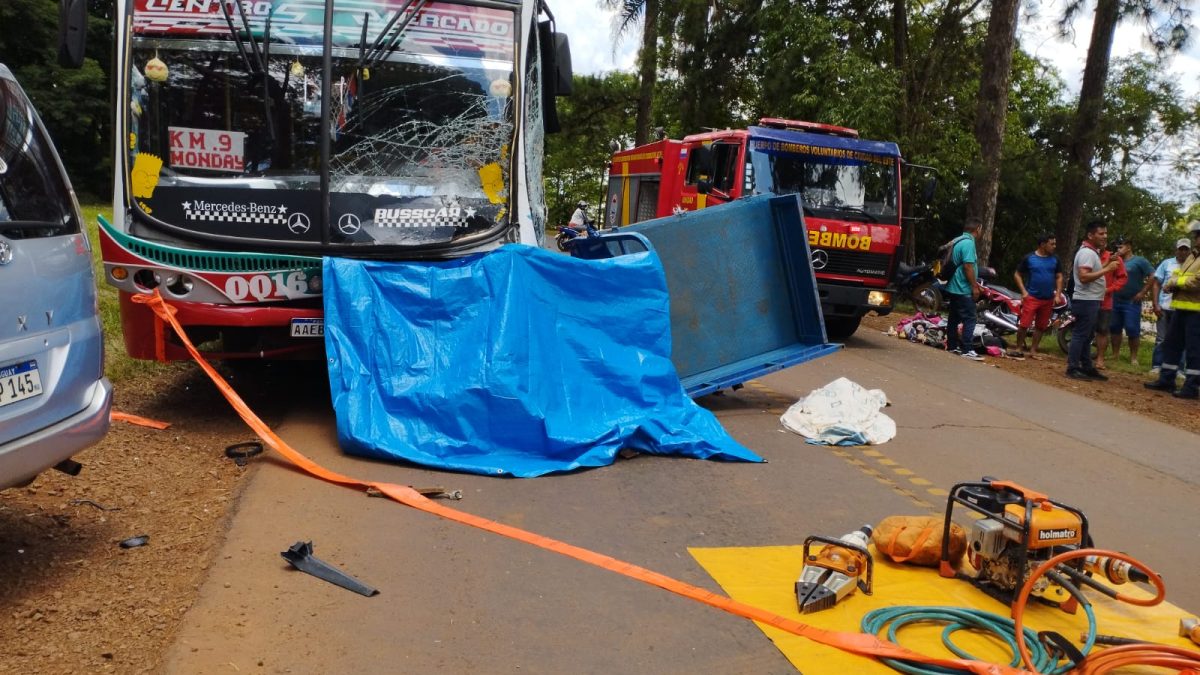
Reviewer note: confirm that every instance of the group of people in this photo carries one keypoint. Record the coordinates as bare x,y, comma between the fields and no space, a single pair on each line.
1109,286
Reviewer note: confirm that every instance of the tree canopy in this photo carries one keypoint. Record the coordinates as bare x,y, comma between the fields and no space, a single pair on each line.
725,63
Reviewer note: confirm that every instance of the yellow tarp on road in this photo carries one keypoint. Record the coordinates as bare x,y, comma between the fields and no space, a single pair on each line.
765,577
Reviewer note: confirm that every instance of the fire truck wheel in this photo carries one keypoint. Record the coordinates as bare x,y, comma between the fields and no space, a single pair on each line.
841,327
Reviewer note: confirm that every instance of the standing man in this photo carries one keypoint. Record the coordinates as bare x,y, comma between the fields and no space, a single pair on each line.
1162,299
1039,277
1113,282
1183,335
1089,273
963,292
1127,301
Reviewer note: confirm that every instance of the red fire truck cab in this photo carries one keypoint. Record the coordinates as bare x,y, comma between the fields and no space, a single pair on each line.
850,189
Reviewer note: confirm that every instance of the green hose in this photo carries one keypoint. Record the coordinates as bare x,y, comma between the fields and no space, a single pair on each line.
958,618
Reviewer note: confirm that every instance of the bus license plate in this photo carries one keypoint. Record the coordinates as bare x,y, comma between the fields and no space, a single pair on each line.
19,381
308,328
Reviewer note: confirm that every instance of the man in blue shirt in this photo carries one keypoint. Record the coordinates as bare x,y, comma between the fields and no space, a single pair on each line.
1039,277
1127,302
962,292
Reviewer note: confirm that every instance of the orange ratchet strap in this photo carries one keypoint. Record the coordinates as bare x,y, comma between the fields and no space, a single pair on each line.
856,643
138,421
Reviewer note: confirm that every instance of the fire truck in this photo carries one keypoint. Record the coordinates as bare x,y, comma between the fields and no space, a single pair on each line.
850,188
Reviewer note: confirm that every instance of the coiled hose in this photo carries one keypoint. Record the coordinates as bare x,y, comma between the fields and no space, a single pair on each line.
959,618
1027,649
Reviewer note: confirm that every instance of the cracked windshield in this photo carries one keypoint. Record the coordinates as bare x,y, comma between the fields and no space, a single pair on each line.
861,187
225,119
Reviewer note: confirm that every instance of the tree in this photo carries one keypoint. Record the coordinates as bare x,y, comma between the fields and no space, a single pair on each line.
990,116
596,114
73,104
1169,34
629,12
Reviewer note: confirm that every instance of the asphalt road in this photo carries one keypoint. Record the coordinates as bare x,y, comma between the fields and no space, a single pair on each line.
455,599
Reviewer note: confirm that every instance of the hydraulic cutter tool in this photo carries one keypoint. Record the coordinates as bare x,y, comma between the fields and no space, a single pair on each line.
835,571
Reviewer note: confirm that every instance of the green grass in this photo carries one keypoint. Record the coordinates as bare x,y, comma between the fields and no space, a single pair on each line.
118,365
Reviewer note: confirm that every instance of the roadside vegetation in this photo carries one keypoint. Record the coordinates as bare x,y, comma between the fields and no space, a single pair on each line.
120,368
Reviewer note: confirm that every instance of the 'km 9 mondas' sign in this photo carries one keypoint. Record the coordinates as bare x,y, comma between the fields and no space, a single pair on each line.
207,149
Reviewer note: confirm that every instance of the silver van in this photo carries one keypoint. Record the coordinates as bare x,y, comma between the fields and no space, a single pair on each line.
54,398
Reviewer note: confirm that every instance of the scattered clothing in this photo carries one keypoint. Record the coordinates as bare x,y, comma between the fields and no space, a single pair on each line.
841,413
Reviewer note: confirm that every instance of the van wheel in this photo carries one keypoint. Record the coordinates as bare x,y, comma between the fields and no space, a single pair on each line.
841,327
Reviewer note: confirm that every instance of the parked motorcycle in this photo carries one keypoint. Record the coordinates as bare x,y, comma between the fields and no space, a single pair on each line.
918,284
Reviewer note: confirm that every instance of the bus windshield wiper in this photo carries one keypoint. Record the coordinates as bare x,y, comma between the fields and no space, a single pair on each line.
856,210
258,67
379,50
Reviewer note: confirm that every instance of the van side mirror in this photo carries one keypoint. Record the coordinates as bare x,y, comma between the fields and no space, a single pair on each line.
72,32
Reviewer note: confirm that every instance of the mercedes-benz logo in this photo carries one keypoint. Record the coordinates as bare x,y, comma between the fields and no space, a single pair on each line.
349,223
6,253
299,223
819,259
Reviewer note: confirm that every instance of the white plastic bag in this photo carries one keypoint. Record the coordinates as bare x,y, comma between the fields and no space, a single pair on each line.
841,413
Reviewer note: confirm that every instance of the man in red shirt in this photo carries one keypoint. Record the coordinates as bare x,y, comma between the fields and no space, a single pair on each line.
1114,281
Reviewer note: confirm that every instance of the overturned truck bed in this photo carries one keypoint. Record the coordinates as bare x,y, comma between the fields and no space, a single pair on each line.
743,296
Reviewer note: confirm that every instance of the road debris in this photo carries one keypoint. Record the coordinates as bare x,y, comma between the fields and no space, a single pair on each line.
134,542
301,557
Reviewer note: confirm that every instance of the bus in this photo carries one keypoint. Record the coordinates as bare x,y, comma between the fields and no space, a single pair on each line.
254,137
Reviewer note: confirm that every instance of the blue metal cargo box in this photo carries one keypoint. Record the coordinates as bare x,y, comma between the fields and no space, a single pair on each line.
743,296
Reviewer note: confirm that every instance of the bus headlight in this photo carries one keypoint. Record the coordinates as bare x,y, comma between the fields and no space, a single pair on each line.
879,299
179,286
147,280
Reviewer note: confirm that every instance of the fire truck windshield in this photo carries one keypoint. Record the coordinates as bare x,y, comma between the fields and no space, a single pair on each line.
859,189
230,97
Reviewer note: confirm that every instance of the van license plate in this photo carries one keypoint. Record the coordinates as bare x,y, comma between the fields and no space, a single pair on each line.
19,381
308,328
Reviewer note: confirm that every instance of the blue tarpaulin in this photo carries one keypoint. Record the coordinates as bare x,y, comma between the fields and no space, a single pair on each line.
518,362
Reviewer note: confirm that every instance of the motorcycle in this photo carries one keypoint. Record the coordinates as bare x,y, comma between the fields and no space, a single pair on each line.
918,284
999,309
567,234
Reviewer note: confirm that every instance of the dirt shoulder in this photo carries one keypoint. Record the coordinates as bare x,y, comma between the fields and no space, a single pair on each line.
1123,390
73,600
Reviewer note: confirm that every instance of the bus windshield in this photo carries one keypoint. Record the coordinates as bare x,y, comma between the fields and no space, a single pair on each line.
863,188
225,119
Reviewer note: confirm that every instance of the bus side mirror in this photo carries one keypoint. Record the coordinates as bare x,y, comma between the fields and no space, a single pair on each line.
557,75
704,186
565,74
72,32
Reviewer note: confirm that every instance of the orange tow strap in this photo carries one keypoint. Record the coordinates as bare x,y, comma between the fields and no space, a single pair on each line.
856,643
138,421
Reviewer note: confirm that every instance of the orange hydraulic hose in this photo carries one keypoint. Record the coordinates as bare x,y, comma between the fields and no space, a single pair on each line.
856,643
1106,660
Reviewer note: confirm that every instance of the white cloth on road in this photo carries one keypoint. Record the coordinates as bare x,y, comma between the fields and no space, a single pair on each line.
841,413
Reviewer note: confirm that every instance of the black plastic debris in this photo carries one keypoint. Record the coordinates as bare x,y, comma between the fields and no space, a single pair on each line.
134,542
301,557
240,452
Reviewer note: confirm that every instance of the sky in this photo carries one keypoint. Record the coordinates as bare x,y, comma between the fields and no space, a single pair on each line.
591,31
